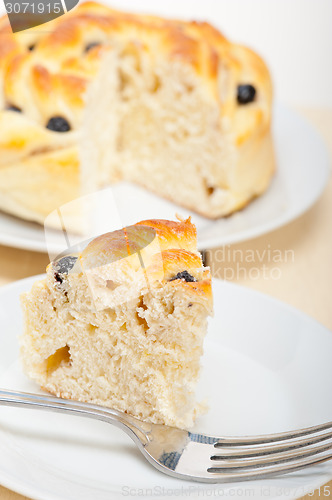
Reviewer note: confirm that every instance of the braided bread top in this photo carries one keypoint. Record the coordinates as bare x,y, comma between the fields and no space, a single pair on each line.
161,251
45,72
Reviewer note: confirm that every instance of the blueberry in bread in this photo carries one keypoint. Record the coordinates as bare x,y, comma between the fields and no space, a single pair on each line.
106,96
122,323
58,124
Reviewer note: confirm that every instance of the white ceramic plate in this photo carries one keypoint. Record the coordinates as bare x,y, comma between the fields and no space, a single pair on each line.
303,170
266,368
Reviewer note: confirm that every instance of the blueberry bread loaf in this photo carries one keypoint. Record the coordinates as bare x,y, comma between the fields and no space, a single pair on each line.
122,323
100,95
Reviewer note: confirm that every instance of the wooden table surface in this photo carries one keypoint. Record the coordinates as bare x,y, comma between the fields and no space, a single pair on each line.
303,277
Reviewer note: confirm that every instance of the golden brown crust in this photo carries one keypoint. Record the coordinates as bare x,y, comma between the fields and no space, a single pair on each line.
201,290
162,235
162,259
178,260
173,234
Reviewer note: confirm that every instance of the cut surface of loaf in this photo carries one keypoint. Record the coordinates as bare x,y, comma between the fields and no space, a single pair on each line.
122,323
103,95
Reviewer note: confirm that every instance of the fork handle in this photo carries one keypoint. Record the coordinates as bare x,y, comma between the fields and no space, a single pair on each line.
136,429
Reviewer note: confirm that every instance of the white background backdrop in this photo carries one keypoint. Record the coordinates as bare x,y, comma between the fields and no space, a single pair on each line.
293,36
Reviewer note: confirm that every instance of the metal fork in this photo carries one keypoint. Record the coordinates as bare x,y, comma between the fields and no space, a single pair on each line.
199,457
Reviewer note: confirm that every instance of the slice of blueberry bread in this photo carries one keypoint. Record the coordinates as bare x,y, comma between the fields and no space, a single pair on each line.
122,323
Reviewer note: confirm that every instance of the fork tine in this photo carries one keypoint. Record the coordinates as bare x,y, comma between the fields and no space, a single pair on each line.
264,449
271,438
217,473
242,464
